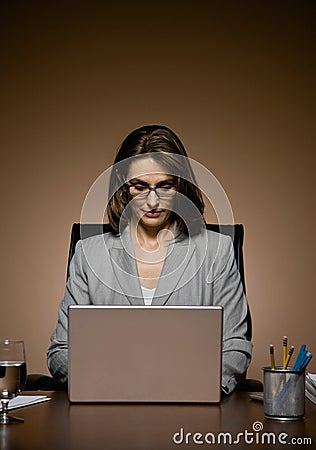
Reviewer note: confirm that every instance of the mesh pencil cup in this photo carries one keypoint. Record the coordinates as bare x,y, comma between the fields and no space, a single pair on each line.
283,393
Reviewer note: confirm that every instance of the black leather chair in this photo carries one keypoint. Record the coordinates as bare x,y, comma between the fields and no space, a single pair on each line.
82,231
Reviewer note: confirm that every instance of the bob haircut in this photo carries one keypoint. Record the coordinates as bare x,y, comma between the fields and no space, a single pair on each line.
161,143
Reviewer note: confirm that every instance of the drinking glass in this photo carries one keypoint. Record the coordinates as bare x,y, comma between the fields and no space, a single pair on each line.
12,376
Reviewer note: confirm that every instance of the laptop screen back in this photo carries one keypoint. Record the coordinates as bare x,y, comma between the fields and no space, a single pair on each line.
145,354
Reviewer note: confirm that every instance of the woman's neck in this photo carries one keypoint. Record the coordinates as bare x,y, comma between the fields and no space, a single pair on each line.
150,248
151,239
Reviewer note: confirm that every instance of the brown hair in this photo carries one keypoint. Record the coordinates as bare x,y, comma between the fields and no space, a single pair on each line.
158,141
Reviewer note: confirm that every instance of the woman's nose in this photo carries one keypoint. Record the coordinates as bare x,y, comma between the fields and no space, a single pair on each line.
152,200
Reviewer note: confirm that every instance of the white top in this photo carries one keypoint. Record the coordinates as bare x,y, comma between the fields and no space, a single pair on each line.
148,295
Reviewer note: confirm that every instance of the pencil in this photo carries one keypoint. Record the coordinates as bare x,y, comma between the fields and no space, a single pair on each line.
284,350
272,357
288,358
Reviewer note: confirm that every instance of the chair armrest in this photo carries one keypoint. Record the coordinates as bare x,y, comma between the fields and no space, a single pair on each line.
249,385
39,382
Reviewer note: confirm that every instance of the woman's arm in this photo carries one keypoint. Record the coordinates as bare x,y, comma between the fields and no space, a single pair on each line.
76,293
228,293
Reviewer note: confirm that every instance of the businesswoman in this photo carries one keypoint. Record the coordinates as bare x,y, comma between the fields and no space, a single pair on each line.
159,251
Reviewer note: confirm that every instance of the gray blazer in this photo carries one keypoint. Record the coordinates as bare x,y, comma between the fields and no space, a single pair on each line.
200,270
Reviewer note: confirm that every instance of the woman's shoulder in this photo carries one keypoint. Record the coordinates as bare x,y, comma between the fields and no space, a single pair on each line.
100,240
212,238
223,238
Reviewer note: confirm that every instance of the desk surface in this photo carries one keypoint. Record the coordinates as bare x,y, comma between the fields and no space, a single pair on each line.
57,424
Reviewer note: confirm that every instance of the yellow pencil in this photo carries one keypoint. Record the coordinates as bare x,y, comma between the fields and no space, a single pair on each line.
284,350
288,358
272,357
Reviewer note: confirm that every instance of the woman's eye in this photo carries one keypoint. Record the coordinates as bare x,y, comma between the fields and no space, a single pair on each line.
166,187
139,187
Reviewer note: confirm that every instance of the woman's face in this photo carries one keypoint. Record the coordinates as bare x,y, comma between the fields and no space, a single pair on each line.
152,191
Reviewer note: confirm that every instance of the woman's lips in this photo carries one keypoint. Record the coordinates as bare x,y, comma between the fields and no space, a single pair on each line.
154,213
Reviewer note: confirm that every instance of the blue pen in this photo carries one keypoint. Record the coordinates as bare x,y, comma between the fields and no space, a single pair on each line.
300,357
307,359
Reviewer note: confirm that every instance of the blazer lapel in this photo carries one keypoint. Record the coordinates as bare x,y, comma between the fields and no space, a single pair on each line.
178,256
125,269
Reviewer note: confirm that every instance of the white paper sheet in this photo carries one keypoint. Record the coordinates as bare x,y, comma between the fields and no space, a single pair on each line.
25,400
312,377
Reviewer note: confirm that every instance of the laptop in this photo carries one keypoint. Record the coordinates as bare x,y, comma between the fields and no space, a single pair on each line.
145,354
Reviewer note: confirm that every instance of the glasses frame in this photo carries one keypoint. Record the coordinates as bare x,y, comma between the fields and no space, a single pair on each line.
145,194
148,190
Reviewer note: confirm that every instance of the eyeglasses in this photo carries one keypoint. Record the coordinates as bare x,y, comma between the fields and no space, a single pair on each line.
142,191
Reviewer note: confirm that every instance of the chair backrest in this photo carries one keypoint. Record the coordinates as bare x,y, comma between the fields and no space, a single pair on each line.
236,232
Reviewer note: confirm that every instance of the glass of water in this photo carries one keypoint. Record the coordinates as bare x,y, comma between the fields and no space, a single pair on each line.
12,376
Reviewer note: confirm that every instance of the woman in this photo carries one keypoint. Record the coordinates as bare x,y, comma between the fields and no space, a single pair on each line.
159,252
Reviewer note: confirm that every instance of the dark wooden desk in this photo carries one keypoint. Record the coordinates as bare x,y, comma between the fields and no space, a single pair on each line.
59,425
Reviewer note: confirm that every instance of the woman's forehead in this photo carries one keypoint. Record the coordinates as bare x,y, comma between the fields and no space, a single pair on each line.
145,167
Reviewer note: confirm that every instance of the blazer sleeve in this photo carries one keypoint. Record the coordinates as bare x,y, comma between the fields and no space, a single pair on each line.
228,293
76,293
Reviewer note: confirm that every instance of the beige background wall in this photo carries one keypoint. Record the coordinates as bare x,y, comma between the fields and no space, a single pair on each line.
234,79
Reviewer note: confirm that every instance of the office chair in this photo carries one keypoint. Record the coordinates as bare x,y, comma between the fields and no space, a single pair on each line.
82,231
